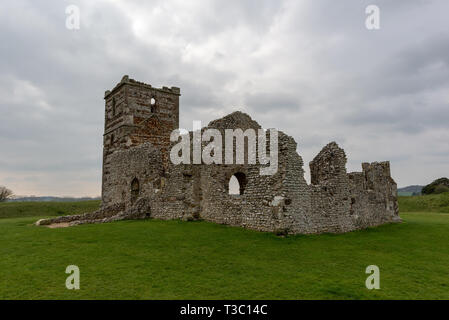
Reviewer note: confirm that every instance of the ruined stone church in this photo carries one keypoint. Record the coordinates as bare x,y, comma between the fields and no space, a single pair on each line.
139,180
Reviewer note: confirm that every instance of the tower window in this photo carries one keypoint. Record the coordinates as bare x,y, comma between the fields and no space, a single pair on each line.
153,105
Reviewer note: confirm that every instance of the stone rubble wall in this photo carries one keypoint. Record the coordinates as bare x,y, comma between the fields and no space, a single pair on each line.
140,182
131,120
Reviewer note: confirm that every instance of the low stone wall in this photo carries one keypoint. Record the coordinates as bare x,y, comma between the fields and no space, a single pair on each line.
140,210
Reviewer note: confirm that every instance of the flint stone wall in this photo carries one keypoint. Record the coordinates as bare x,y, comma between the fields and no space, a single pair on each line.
139,182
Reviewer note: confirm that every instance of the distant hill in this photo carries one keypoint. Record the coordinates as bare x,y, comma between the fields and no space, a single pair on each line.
438,186
410,190
50,198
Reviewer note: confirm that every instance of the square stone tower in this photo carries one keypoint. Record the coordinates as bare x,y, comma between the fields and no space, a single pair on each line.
136,113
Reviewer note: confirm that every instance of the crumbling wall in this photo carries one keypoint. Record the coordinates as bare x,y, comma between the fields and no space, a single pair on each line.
141,164
260,206
373,195
168,188
344,202
292,208
330,200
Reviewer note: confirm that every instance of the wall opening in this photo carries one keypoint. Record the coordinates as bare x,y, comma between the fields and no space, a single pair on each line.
153,105
135,189
237,184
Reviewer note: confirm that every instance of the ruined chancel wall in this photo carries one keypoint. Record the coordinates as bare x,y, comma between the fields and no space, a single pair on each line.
140,181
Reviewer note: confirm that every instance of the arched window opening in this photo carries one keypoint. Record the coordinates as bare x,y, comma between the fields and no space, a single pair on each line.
237,184
153,105
135,189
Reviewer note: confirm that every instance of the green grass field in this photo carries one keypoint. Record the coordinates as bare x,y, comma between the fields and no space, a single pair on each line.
154,259
45,209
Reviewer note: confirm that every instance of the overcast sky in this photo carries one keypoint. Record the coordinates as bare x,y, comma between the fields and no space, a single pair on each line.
309,68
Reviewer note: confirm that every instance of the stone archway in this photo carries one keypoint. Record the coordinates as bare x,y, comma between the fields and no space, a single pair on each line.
237,184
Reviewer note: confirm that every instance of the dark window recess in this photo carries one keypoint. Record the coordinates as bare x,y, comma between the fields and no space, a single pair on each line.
135,189
153,105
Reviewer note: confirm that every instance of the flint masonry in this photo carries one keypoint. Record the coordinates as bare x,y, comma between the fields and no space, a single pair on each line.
139,181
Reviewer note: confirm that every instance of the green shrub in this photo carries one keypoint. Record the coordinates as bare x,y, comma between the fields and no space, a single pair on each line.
440,189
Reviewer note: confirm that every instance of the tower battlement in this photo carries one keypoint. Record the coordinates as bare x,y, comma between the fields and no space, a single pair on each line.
127,80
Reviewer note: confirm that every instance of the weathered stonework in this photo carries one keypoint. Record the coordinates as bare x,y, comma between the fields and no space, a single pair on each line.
139,180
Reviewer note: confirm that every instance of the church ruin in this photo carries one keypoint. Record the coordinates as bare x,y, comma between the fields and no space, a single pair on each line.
139,180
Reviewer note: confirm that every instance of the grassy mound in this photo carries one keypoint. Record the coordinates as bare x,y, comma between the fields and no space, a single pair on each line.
425,203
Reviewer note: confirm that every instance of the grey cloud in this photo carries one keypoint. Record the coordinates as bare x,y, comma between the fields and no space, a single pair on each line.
268,101
310,69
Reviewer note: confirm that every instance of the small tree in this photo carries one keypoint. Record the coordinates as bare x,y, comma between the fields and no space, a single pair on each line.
5,194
